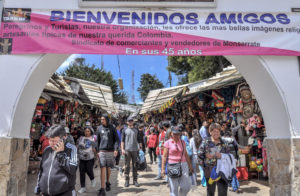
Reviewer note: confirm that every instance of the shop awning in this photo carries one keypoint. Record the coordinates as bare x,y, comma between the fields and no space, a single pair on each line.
229,76
60,96
126,108
157,98
96,94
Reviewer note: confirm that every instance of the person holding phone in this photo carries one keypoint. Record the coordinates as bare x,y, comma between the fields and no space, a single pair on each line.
58,166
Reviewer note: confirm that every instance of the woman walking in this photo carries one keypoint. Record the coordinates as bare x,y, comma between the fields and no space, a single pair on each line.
86,152
215,149
178,163
152,143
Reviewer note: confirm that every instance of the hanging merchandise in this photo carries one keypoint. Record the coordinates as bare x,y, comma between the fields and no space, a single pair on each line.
252,165
76,104
218,101
247,110
42,101
38,114
237,105
246,94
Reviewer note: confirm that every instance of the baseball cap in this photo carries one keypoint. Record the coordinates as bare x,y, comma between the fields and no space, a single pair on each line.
175,129
129,118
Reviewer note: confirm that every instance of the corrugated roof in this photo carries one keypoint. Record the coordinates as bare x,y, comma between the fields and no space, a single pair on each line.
97,94
126,108
229,76
157,98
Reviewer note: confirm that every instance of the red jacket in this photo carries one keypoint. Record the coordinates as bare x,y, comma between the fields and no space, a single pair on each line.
152,141
45,142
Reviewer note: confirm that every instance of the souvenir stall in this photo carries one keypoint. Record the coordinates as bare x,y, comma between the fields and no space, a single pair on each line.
226,99
60,103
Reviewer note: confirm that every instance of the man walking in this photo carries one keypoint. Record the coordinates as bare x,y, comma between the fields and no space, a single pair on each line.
203,130
58,167
131,143
108,142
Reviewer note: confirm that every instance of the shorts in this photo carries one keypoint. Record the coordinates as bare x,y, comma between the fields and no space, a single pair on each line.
107,159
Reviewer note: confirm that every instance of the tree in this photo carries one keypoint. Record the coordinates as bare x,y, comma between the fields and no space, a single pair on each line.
80,69
194,68
148,82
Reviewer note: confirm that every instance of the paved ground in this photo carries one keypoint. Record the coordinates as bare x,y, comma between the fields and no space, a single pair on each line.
150,187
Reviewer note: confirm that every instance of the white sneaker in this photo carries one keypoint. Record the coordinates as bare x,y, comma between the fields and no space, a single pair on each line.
94,183
82,190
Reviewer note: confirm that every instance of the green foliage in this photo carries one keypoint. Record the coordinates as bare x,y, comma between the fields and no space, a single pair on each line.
80,69
195,68
148,82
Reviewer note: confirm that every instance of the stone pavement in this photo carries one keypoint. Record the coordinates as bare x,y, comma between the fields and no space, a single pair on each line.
150,187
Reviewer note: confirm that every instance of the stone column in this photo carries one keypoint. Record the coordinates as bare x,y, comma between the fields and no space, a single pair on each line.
284,166
14,154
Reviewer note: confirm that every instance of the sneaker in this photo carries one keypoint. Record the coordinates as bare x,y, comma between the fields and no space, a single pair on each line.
101,192
126,183
136,183
158,178
94,183
82,190
151,162
108,186
155,162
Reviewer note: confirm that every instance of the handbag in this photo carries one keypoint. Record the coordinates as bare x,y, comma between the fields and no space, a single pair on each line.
174,169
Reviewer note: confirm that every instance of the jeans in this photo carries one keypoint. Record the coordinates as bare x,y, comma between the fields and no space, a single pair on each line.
194,164
159,164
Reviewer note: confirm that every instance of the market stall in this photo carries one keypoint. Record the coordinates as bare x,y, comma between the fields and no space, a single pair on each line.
226,99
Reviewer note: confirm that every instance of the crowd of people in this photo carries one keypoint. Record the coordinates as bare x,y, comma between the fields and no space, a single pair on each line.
178,153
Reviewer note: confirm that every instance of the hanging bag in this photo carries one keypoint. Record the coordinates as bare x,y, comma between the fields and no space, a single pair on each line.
174,169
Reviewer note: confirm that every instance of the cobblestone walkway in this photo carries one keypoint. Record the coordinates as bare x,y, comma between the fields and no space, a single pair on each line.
150,187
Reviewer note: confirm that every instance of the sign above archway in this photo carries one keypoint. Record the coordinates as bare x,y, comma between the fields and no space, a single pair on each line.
144,32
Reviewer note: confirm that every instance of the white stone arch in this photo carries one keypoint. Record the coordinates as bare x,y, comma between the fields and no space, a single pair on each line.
35,70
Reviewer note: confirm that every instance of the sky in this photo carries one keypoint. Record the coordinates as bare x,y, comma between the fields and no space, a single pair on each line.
140,64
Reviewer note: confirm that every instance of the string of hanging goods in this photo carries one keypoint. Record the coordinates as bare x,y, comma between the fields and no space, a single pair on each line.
120,79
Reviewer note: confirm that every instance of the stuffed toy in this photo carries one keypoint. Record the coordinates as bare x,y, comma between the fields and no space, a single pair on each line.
252,165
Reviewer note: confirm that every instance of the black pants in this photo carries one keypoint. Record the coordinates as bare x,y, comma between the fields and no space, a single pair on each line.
222,188
118,158
131,157
86,167
35,145
152,151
